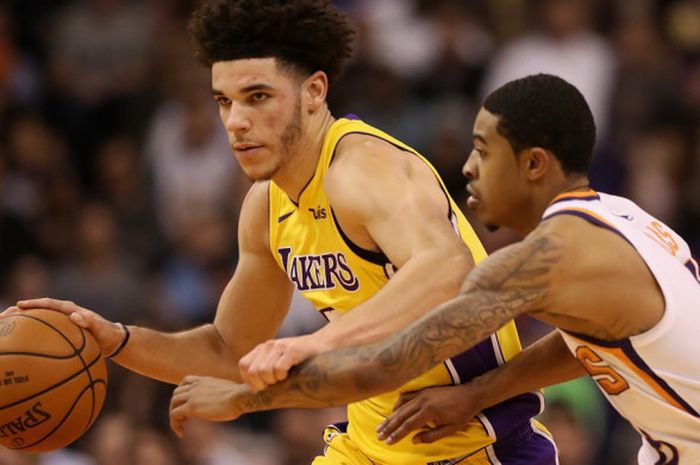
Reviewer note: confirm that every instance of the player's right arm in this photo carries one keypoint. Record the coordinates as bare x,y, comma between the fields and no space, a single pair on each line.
250,311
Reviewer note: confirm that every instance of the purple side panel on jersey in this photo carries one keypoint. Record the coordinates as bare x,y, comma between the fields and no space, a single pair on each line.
508,416
527,448
475,361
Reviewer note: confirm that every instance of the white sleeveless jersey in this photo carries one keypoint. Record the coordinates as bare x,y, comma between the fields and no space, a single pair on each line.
652,379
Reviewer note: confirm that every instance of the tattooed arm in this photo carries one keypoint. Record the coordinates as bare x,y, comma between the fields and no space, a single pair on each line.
515,280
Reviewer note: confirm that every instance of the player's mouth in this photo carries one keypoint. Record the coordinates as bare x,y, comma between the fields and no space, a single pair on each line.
245,147
473,201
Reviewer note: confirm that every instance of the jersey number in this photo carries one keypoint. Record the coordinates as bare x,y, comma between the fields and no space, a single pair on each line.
607,378
658,233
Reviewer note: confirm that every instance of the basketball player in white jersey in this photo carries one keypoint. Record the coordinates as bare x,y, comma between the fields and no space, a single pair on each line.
621,287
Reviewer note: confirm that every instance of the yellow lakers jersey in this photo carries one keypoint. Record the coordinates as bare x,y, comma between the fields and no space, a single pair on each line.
336,276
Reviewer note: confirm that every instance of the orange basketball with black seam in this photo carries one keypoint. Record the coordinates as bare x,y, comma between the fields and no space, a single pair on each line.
53,380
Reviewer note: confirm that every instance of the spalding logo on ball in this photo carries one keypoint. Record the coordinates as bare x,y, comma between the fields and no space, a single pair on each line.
53,381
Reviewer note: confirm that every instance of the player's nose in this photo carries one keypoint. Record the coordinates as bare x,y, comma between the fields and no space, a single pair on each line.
469,169
237,121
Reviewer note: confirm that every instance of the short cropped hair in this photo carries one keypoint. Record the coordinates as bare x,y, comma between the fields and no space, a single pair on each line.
546,111
309,35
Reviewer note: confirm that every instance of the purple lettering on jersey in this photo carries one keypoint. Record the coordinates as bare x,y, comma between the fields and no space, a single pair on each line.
284,255
314,272
347,279
330,264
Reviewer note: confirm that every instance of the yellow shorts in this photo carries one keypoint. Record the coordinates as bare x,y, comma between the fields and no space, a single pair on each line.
530,445
340,450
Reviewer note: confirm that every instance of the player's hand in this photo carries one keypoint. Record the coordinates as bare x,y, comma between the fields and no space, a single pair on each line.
271,361
10,310
207,398
437,411
107,334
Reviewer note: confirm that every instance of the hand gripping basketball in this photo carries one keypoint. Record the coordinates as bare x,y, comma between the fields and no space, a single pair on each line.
109,335
53,380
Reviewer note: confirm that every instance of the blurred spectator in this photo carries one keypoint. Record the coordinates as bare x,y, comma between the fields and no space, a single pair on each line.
98,276
29,277
193,169
655,160
100,59
293,427
573,441
39,187
198,268
460,45
154,448
112,440
11,457
207,443
19,77
563,43
122,183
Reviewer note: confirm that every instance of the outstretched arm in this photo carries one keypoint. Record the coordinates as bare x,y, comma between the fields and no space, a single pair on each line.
442,410
514,280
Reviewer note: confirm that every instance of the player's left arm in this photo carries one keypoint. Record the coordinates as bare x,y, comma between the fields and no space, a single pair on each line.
515,280
388,201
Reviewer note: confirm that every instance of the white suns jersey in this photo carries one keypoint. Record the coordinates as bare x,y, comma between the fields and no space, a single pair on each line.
652,379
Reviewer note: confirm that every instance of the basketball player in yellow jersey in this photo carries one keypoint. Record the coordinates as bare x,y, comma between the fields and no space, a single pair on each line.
354,219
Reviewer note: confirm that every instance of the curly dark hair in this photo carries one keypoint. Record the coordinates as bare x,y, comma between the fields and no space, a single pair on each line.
546,111
309,35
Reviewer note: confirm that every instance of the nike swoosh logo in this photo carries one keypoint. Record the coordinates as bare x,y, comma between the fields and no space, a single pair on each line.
284,217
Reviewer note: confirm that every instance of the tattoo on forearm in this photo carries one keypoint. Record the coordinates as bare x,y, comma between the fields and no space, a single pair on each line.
512,281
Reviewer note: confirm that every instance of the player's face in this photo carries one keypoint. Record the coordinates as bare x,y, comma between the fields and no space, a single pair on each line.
497,187
260,107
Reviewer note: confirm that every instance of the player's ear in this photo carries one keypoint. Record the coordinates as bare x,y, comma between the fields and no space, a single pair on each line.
537,162
314,90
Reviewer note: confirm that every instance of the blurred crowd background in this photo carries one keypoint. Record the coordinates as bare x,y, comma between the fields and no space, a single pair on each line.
118,189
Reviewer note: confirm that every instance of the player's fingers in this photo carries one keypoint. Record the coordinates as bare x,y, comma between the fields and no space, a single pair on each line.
433,434
246,362
252,364
10,310
84,319
282,367
266,369
261,372
396,419
405,398
64,306
416,421
177,420
188,381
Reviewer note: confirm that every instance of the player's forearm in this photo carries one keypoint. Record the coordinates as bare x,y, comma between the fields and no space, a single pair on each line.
545,363
169,357
353,373
330,379
419,286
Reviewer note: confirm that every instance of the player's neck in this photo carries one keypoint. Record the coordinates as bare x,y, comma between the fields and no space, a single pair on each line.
572,183
302,164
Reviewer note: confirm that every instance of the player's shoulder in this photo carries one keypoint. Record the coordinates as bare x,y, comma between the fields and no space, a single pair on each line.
255,210
257,195
363,155
584,242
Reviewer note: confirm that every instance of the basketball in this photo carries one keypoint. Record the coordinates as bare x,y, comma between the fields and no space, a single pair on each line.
53,381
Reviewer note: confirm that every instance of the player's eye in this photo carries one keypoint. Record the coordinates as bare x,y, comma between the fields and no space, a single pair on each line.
259,97
479,152
223,101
